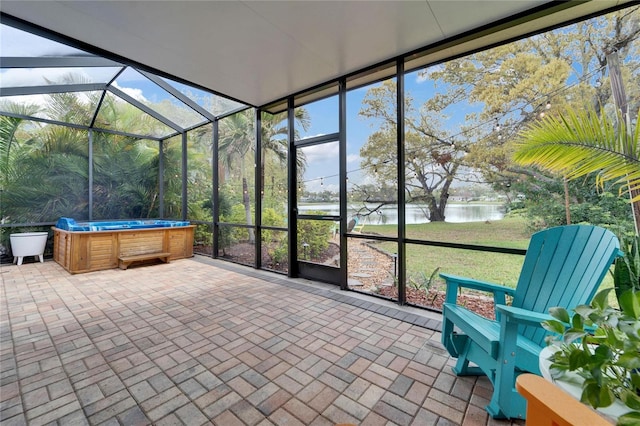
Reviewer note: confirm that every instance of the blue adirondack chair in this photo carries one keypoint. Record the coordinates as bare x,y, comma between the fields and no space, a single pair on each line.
563,267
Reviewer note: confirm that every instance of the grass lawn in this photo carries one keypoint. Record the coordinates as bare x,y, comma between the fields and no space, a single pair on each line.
509,232
493,267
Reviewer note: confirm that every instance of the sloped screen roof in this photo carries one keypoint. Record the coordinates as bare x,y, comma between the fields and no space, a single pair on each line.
37,74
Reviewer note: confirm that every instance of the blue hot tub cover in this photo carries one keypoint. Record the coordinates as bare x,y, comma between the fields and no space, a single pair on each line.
69,224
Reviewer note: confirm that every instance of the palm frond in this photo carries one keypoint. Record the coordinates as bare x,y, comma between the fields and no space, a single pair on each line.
579,143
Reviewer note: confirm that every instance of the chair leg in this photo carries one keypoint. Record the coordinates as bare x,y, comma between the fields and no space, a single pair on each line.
458,345
445,336
506,401
462,367
452,341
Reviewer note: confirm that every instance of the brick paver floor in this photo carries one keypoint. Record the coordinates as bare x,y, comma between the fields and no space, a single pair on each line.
193,342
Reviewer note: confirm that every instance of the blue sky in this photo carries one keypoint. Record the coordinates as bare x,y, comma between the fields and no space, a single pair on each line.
324,120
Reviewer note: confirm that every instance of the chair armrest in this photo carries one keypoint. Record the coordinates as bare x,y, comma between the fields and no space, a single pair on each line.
454,282
522,316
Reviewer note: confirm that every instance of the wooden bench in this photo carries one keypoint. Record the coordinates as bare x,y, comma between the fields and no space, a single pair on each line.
125,261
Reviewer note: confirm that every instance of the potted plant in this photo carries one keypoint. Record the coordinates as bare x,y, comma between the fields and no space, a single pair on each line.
601,345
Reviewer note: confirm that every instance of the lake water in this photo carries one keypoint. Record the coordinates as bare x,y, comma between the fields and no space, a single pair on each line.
417,213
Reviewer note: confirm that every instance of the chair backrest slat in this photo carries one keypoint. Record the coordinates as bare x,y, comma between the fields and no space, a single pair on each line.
563,267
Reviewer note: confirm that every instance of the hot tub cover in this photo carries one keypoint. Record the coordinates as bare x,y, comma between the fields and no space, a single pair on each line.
69,224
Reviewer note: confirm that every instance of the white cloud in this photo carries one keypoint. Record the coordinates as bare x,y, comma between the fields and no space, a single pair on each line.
321,152
40,100
21,77
34,77
14,42
26,77
29,77
133,92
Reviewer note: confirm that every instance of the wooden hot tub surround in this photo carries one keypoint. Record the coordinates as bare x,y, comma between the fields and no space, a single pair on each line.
87,251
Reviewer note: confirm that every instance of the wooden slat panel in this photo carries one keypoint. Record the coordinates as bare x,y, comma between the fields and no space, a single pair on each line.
80,257
188,243
102,251
177,239
140,242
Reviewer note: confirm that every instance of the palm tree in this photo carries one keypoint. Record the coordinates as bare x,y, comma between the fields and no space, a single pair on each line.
44,169
578,143
236,142
9,129
274,131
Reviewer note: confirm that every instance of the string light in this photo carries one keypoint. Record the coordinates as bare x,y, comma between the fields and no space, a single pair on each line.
497,127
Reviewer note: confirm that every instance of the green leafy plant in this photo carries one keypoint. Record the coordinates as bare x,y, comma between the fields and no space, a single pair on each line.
602,345
626,273
577,143
424,283
315,234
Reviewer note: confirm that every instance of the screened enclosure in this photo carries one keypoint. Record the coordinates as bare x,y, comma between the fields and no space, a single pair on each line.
376,181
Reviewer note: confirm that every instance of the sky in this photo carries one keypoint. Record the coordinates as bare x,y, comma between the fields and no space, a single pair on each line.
324,120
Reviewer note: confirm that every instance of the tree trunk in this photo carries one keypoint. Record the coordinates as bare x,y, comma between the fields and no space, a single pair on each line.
153,203
635,208
247,209
437,207
567,211
620,100
262,175
436,212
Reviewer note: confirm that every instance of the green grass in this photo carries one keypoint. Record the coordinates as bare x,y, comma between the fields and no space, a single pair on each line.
510,232
493,267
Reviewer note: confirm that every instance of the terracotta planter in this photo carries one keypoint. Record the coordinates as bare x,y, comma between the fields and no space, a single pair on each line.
28,244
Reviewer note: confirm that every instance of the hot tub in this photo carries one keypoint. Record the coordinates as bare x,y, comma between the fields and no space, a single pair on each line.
92,246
